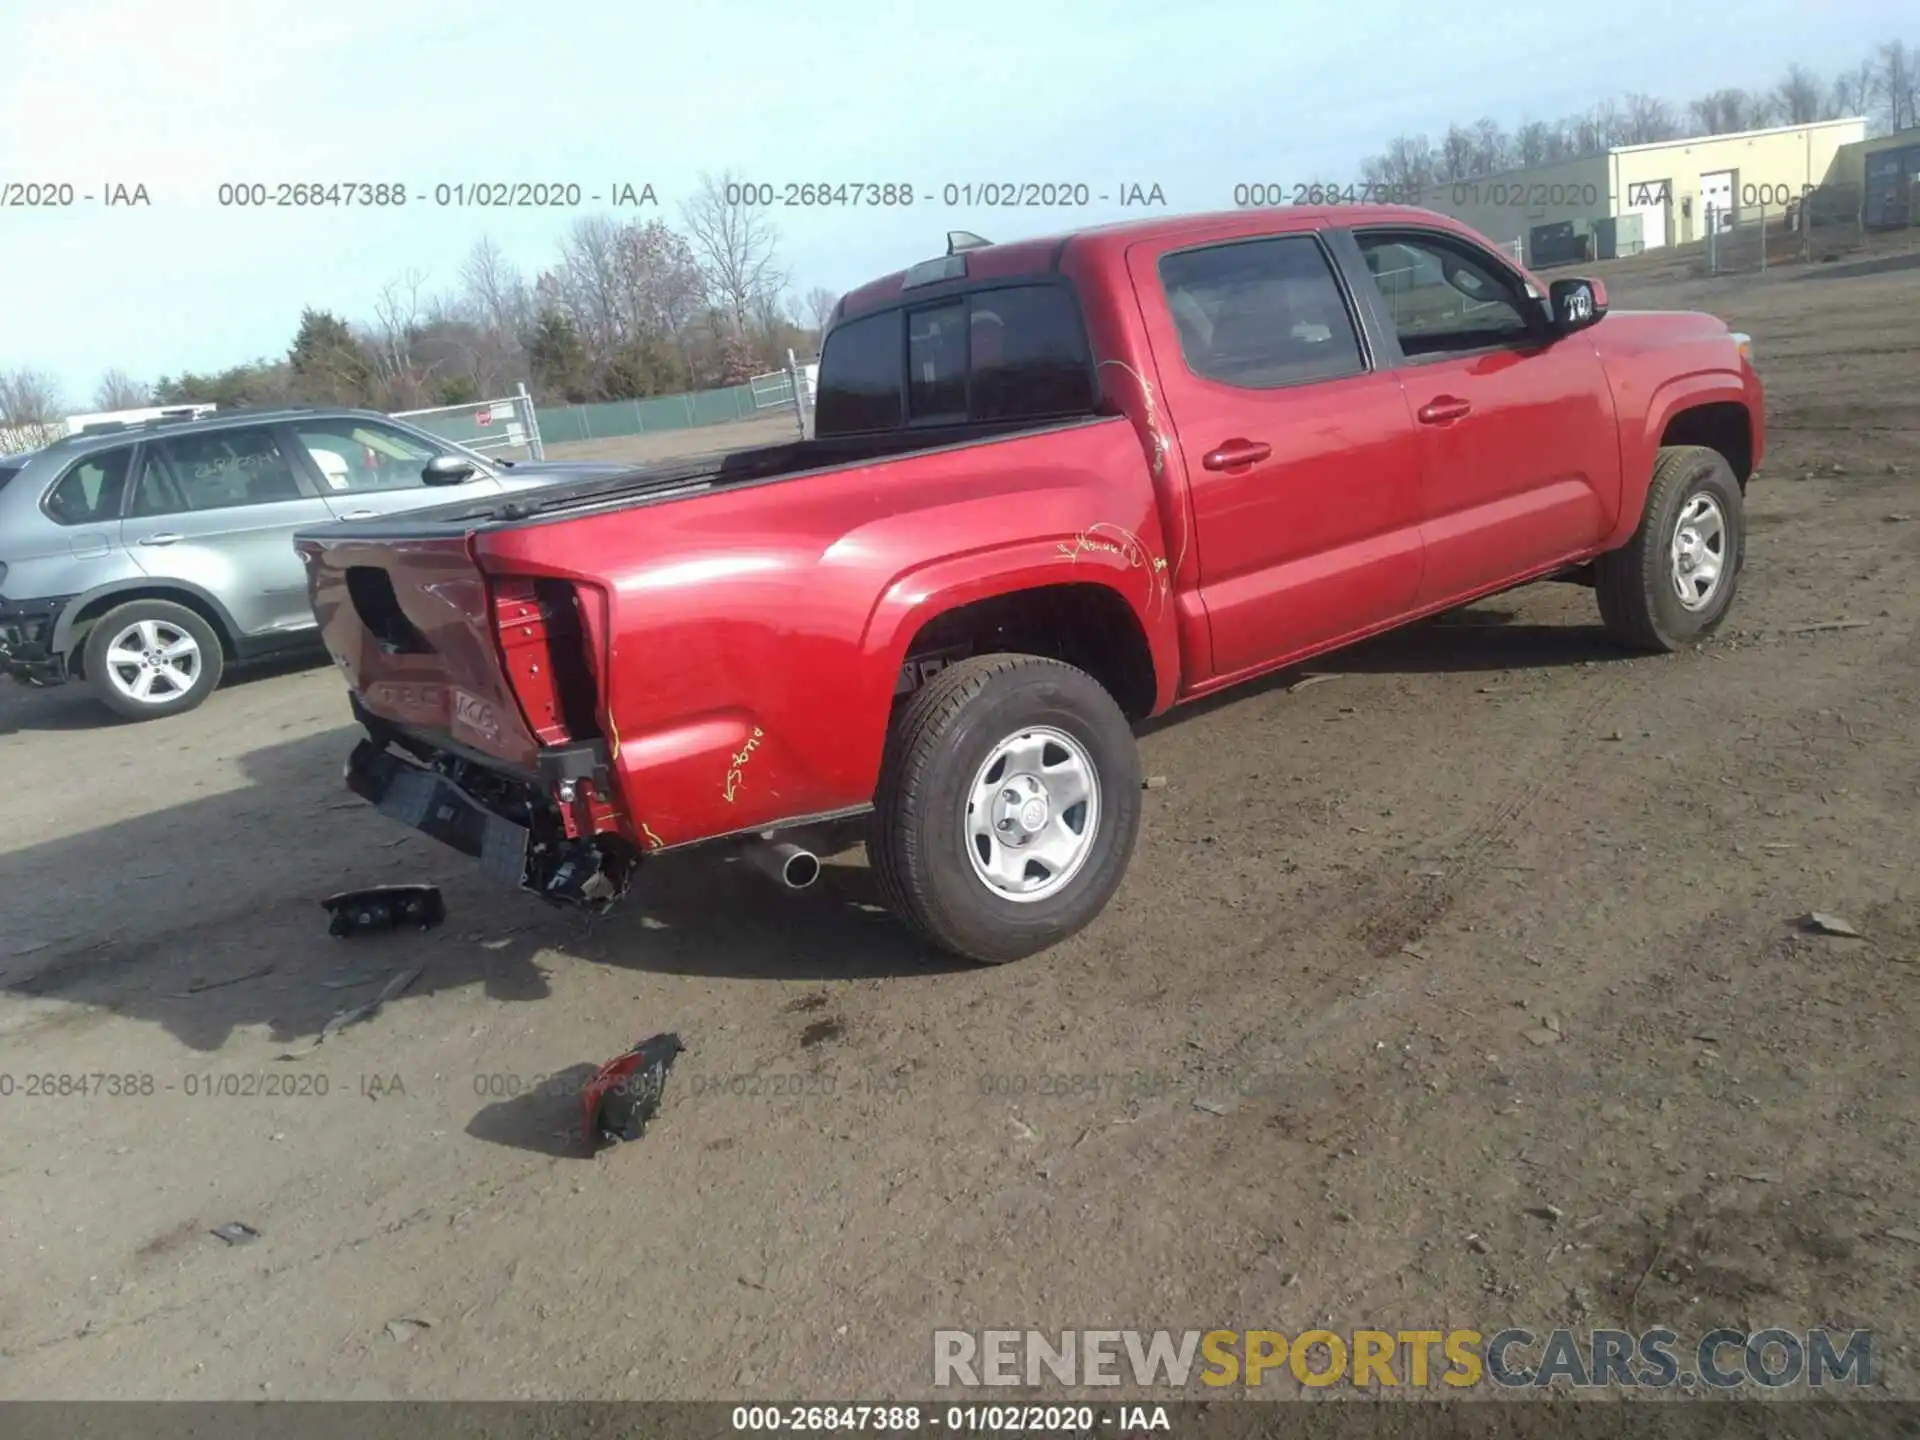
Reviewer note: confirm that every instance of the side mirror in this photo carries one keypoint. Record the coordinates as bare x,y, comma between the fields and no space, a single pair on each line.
1576,304
447,470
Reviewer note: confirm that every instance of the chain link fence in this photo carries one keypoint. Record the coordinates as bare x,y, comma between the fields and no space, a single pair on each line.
1825,224
510,424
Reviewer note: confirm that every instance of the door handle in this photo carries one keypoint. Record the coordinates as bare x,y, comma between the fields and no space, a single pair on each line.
358,515
1446,408
165,537
1237,452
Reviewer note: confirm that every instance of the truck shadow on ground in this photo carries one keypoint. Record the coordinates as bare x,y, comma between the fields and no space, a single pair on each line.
1474,641
1480,640
205,918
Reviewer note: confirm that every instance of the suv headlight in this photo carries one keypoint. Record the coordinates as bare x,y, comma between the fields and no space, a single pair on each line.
1744,344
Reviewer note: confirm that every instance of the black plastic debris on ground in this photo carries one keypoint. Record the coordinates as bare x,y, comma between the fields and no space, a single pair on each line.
384,907
236,1232
625,1093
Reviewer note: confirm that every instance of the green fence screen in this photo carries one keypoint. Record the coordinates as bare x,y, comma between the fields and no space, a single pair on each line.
562,423
612,419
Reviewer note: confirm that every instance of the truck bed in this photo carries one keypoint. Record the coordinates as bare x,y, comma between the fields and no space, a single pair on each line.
648,484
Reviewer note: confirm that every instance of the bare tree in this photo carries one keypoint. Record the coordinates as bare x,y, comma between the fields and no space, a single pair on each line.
1898,84
1853,92
819,306
658,280
1646,120
495,288
585,286
737,247
1492,149
1407,166
1533,143
397,317
118,390
1723,112
29,397
483,327
1456,156
1608,123
1798,96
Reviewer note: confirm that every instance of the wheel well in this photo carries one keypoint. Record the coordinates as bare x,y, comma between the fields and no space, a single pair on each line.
1722,426
1090,627
101,604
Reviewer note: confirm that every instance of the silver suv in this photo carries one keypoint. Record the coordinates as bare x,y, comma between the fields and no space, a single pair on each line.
144,559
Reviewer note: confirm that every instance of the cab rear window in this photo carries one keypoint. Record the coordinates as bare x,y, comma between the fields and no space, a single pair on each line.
1017,352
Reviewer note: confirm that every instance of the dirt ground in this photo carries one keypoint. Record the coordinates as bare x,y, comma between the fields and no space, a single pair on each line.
1493,921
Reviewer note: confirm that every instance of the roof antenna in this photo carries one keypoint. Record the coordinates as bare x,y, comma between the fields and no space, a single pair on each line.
958,240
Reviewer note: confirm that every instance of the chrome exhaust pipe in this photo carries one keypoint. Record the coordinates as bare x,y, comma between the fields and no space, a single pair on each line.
787,864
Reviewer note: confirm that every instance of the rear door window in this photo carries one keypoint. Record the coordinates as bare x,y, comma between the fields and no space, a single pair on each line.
216,470
91,492
1029,355
1259,314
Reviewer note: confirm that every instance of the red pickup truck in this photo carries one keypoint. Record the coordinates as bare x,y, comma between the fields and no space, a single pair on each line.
1054,487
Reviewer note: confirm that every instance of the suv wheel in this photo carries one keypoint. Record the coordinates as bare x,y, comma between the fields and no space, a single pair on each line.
1674,581
150,658
1008,806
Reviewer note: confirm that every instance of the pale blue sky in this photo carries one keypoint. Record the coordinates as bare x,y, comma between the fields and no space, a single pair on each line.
1195,96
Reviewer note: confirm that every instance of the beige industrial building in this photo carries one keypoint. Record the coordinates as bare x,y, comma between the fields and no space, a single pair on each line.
1641,197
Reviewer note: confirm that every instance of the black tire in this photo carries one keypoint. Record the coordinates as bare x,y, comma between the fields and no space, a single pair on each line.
1639,599
167,616
941,738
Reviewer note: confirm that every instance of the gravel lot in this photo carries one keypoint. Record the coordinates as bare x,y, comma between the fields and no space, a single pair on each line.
1493,920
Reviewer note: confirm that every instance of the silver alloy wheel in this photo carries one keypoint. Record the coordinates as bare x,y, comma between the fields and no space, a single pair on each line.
153,662
1032,814
1699,552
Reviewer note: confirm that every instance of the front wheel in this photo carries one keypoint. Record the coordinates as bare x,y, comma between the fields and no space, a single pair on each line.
1008,806
1674,581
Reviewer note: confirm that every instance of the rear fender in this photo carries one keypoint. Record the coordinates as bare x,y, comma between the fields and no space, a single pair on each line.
1131,563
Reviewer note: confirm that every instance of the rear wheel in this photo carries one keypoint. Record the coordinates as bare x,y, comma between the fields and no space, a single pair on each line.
150,658
1008,806
1674,581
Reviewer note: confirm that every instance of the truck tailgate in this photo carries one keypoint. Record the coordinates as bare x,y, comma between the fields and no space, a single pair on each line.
412,623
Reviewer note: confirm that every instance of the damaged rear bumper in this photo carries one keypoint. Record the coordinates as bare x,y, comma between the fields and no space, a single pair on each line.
526,846
26,640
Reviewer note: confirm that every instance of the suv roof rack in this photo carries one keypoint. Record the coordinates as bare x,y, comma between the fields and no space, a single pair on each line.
99,428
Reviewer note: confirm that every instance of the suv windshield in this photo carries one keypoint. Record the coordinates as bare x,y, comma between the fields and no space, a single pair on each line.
1018,352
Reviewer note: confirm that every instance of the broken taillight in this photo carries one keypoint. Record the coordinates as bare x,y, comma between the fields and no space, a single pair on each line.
544,651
